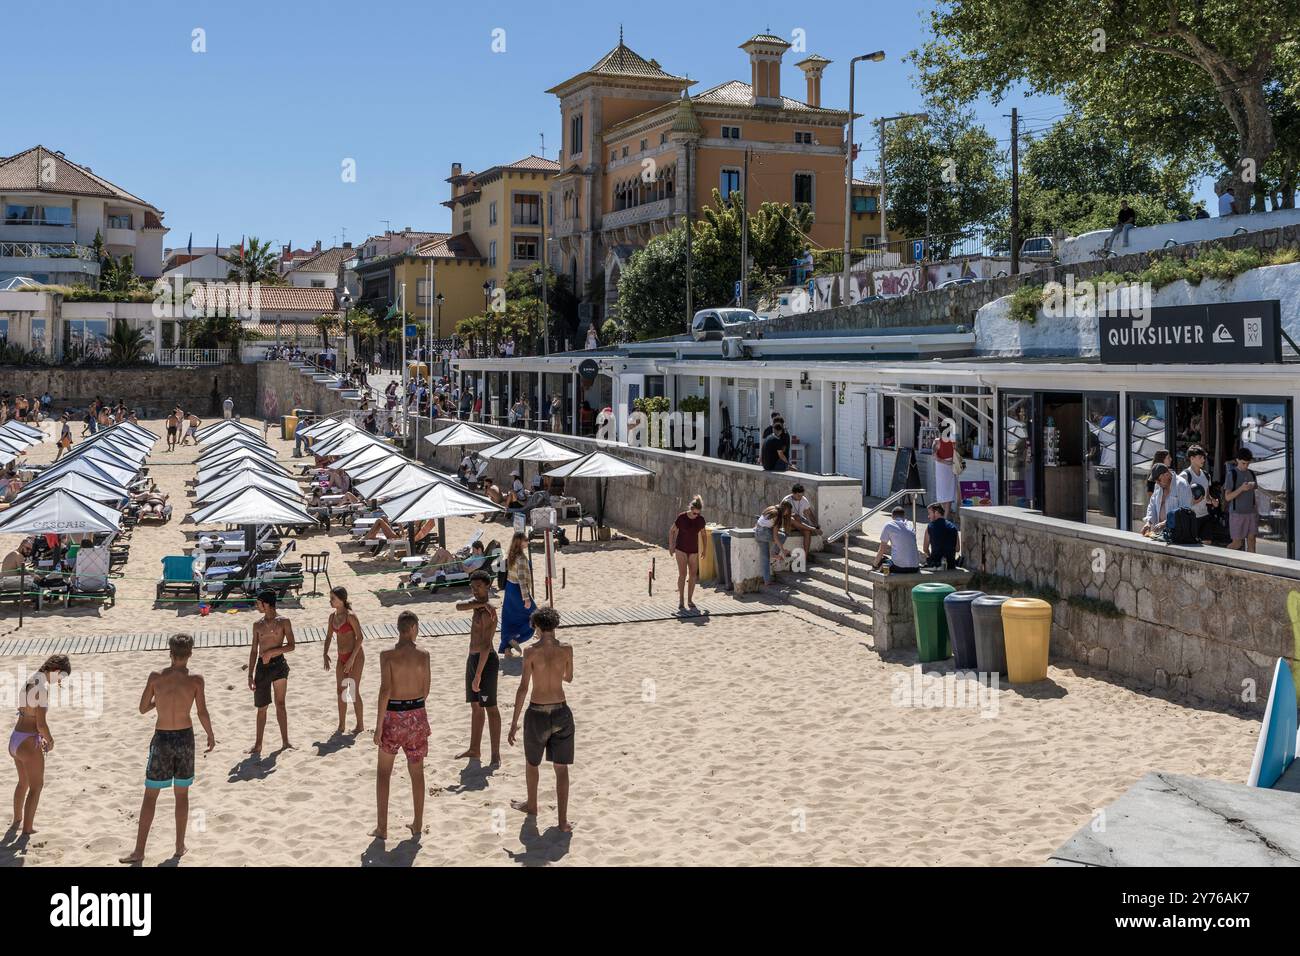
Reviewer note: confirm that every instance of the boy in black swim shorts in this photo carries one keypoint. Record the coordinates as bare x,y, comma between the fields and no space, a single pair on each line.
268,671
173,692
548,722
482,669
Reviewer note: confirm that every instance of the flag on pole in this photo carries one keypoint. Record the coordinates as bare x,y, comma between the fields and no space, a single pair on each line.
189,246
241,249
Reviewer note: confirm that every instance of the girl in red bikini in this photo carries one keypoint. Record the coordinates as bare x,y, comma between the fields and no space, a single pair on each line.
347,675
31,740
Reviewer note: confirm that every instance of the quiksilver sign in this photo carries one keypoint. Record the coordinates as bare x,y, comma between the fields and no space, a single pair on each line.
1223,333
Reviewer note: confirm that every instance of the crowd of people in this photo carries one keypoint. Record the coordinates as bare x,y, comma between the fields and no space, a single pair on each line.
177,696
1188,506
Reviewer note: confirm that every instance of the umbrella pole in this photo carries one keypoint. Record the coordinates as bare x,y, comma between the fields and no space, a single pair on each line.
600,501
442,533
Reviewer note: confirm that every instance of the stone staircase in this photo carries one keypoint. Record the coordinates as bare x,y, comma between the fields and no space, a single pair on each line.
821,592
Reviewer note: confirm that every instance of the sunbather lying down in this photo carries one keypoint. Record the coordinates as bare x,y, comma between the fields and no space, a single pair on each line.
443,567
382,528
152,504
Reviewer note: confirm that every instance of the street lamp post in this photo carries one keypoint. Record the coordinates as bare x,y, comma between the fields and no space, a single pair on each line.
438,300
346,302
884,238
848,173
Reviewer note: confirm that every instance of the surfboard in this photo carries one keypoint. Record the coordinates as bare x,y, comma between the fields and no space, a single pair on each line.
1277,735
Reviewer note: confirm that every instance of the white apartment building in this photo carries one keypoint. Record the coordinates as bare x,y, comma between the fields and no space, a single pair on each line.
50,211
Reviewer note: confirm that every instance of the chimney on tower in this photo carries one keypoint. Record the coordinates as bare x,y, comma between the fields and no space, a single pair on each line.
765,52
813,66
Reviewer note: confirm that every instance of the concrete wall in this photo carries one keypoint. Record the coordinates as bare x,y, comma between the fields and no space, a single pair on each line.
1197,621
733,493
280,387
958,304
1146,238
154,390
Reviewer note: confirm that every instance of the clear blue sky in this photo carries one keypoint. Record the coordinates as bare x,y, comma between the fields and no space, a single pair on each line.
250,136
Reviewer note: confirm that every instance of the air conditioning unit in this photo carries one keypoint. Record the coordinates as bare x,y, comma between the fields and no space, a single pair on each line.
733,347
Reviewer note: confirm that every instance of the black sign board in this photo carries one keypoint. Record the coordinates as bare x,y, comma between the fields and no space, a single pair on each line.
587,370
1227,333
906,474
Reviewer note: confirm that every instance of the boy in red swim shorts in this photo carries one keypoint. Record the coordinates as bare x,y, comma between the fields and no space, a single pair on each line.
403,725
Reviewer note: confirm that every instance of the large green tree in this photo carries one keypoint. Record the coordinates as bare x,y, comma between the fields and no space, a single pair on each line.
257,264
945,173
1173,75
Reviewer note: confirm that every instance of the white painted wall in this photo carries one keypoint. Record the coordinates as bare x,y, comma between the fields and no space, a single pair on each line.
1146,238
996,334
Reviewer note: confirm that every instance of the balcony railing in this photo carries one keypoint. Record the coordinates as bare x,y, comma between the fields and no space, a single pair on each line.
646,212
46,250
188,357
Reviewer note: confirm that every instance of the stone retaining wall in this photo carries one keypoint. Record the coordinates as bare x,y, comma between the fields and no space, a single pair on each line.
1196,621
153,390
281,387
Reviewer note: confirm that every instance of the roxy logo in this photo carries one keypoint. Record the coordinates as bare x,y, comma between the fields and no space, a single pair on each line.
75,909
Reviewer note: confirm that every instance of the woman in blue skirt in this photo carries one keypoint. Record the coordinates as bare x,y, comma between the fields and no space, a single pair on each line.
518,605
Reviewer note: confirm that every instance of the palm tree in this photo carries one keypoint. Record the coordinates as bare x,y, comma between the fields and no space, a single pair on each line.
257,264
323,324
126,346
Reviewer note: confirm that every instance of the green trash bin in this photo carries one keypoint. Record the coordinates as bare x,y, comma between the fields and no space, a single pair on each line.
931,621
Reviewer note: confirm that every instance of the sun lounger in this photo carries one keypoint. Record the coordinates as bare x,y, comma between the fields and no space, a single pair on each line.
177,577
89,579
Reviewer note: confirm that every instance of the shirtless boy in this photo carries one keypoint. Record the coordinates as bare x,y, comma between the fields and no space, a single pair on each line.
402,722
268,671
548,722
481,669
173,423
192,431
173,692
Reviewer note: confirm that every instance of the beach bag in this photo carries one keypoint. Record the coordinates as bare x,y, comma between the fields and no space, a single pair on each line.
1180,526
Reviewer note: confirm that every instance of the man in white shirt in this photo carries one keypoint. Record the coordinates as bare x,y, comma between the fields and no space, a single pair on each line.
898,543
1171,493
803,518
1197,477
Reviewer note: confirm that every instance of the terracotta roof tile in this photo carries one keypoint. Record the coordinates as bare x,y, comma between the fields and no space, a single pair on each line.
271,298
623,61
327,261
459,246
23,171
736,93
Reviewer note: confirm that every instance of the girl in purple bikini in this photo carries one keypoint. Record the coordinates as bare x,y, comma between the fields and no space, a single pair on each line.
31,740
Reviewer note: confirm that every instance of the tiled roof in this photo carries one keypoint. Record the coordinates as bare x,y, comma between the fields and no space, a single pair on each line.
327,261
737,93
459,246
295,327
271,298
765,38
624,61
23,171
813,58
537,163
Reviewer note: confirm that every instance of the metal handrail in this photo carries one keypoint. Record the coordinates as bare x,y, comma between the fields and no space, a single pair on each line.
844,531
868,512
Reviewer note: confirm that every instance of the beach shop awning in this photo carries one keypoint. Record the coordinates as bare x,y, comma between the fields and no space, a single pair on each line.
227,484
439,500
252,506
59,512
602,467
81,484
460,435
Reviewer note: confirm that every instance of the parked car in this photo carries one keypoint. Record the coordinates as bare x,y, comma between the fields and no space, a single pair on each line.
960,280
713,324
1038,247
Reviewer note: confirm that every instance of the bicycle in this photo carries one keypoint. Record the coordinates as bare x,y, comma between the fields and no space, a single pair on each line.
748,445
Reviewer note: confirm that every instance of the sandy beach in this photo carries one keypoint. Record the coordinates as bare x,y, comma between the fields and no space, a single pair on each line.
767,738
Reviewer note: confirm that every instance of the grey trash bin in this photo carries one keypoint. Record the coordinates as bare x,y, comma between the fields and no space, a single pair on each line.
961,632
990,645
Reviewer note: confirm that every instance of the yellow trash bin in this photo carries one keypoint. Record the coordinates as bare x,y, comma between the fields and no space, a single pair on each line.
1027,628
289,426
708,557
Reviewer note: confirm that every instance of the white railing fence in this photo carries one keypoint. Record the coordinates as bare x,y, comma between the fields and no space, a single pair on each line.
193,356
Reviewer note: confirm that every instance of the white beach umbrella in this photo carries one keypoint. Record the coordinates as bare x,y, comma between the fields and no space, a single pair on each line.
231,455
438,500
22,428
460,435
132,454
226,426
364,457
59,512
225,485
81,484
344,443
502,448
65,466
543,449
252,506
226,468
7,456
15,444
600,466
140,430
118,471
407,477
123,434
327,427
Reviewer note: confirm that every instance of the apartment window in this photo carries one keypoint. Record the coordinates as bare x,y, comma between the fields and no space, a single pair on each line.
624,152
492,213
870,241
803,136
730,182
464,221
318,283
613,155
4,330
526,209
865,204
21,214
645,143
663,138
422,290
492,253
575,134
119,221
803,189
525,248
731,132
